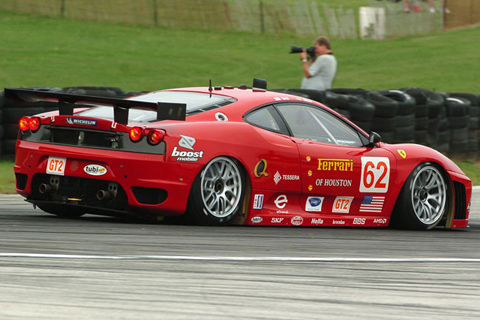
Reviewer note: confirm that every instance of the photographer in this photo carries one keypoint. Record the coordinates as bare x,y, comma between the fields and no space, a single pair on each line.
320,73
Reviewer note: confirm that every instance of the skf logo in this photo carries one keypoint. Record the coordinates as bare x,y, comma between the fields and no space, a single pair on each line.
402,153
261,169
335,164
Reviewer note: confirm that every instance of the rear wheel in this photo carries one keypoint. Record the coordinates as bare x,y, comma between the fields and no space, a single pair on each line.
217,193
423,200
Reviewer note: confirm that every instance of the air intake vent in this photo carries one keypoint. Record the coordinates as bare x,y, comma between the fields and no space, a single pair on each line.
460,201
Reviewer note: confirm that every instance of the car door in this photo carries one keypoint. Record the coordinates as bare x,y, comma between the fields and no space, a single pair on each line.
341,176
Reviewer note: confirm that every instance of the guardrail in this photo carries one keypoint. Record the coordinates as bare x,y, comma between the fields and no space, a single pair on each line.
447,122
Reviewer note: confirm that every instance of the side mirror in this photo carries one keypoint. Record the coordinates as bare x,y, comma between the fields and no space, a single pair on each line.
373,139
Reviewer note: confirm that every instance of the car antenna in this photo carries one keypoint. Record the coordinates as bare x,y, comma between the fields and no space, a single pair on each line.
210,87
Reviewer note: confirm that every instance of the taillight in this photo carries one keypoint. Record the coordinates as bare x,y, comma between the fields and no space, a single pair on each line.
136,134
23,123
155,136
32,123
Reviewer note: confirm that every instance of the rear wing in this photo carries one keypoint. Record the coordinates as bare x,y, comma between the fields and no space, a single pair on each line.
65,103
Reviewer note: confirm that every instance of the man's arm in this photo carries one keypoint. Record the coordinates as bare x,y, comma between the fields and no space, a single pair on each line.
305,66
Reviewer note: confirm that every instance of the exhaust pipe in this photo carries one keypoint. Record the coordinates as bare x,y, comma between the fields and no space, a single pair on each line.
103,195
45,188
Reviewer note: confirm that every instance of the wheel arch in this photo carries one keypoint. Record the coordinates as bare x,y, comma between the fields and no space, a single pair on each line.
450,207
239,218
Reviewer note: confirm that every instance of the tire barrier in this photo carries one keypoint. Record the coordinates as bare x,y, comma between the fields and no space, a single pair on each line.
447,122
10,115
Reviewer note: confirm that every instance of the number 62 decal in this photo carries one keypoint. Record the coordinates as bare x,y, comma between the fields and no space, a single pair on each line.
375,174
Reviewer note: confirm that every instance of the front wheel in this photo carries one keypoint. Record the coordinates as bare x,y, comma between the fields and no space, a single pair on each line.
423,201
217,192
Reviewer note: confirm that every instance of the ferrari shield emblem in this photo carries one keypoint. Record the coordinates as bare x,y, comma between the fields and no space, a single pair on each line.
402,153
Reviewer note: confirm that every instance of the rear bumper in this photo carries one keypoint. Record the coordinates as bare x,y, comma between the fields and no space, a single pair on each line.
132,182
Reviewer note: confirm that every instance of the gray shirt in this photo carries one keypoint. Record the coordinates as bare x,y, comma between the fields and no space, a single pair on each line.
323,71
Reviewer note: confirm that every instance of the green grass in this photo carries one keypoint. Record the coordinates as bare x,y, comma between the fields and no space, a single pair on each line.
48,52
7,178
38,51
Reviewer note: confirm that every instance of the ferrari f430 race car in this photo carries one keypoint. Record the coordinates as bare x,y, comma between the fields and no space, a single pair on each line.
227,155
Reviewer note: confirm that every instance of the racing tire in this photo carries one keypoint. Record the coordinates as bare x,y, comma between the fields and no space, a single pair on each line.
66,213
217,193
423,200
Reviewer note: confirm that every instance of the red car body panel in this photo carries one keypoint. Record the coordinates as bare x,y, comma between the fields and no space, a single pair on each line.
291,181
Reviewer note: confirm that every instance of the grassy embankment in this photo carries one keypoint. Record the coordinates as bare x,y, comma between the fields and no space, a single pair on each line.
38,51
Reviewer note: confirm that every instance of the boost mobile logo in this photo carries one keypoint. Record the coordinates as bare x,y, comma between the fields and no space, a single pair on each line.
187,142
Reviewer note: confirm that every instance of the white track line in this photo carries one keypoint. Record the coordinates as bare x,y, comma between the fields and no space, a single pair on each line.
218,258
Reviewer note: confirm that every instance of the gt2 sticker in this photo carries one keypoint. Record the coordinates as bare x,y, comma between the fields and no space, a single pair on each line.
375,174
342,204
56,165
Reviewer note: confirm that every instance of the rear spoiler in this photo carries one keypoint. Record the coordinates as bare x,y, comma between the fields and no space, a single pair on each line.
66,102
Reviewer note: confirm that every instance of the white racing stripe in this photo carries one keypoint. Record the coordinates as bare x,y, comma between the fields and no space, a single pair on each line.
218,258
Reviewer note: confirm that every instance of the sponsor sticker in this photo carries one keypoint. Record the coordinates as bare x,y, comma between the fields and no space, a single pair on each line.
258,201
281,201
83,122
187,143
372,204
56,165
297,221
314,204
277,220
342,204
375,174
317,221
277,177
287,177
261,169
335,165
257,219
333,183
95,170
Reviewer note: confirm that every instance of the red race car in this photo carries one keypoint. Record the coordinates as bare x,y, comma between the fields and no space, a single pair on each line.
228,155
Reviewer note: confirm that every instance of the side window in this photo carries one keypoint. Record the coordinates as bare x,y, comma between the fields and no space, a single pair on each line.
263,118
313,123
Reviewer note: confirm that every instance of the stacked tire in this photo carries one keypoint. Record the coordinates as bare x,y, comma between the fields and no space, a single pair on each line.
431,124
12,114
457,112
473,122
2,102
372,111
404,123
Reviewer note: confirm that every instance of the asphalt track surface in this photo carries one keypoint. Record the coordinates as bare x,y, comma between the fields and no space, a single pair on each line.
106,268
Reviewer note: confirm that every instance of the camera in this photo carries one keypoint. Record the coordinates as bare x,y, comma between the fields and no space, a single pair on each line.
310,51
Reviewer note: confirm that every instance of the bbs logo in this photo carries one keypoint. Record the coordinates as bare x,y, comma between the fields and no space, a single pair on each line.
360,221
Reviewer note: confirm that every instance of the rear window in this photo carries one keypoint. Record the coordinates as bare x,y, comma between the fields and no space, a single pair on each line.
196,103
